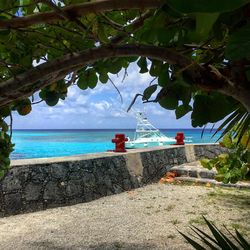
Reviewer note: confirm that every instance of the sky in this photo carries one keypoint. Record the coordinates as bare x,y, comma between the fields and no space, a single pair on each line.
101,108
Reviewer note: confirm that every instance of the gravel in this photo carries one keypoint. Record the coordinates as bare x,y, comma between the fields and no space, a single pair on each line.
145,218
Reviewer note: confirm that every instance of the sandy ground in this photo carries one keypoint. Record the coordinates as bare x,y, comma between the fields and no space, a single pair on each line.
146,218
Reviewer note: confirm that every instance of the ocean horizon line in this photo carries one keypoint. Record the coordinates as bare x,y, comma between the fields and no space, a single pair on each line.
106,129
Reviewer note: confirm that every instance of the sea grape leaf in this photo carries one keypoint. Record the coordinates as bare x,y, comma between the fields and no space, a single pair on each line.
82,83
155,68
170,101
4,126
5,111
163,78
23,107
102,34
103,77
205,108
211,6
51,98
204,23
92,78
182,92
182,110
166,35
238,46
142,63
149,91
114,67
206,163
87,79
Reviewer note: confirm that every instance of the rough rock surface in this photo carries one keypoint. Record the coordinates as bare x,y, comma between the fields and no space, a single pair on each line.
38,184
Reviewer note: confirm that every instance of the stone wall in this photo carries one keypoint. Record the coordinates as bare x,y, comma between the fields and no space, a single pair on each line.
37,184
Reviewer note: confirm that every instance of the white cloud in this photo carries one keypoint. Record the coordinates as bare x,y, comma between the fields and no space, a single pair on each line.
72,91
82,99
101,106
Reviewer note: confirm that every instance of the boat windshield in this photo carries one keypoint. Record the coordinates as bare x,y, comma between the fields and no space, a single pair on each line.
147,134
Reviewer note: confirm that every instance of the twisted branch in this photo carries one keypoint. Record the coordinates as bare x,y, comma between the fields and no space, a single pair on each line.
78,10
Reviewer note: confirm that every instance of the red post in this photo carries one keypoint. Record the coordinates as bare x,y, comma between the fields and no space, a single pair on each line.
119,141
179,138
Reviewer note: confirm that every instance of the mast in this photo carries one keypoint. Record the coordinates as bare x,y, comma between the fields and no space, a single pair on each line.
144,128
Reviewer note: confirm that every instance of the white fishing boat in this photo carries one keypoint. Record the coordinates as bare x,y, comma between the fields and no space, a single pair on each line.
146,135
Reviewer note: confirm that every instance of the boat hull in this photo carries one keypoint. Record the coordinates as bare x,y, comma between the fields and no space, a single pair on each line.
134,145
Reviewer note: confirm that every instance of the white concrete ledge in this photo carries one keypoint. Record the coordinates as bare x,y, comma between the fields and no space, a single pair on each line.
21,162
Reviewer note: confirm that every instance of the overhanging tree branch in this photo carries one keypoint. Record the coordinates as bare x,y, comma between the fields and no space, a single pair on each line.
42,75
78,10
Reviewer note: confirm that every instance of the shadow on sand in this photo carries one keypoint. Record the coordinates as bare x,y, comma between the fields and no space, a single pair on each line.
49,245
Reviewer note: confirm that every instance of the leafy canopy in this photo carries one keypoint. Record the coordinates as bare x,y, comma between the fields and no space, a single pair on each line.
198,52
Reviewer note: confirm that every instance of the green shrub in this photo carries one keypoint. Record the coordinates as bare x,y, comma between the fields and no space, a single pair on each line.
234,165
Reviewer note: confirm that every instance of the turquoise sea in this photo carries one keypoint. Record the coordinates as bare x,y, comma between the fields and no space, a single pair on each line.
53,143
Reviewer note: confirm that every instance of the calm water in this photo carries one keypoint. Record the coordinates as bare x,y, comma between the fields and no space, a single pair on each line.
51,143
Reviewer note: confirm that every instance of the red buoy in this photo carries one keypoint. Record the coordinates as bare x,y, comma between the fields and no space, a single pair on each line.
119,141
179,138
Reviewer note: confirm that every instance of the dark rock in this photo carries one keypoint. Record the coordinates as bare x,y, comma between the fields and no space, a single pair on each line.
32,192
13,203
53,192
74,189
11,183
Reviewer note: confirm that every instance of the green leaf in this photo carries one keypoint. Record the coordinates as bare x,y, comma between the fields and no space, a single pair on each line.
195,244
229,242
227,141
163,78
149,91
24,107
230,118
102,34
82,83
205,163
131,58
5,35
238,46
114,67
204,24
87,79
182,110
4,126
211,6
242,240
92,79
142,63
205,238
5,111
165,35
169,101
156,67
204,108
218,236
51,98
103,77
182,90
219,177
